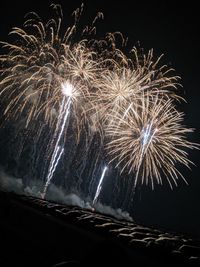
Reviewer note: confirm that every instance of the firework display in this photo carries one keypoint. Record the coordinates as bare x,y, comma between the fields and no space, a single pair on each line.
130,100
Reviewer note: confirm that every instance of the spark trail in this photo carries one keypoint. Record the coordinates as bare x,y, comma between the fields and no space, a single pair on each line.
67,90
99,185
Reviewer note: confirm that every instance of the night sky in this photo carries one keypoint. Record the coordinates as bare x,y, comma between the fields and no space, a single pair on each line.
170,28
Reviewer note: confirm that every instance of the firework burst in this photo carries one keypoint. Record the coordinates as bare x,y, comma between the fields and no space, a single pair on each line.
39,63
149,140
132,79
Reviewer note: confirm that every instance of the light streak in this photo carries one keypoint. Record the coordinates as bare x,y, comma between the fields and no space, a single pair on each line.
67,90
99,187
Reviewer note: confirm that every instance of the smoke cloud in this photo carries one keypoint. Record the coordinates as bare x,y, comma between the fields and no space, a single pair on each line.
12,184
9,183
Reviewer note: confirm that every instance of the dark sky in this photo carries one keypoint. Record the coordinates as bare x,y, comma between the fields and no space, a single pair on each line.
171,28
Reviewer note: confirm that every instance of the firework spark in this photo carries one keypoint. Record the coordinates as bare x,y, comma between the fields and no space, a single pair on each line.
149,141
99,187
